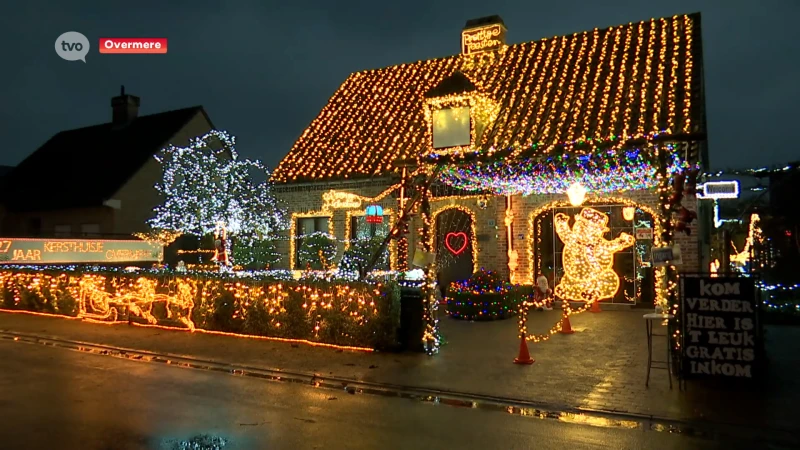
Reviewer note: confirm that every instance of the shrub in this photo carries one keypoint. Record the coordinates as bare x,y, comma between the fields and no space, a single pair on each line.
336,312
484,296
316,250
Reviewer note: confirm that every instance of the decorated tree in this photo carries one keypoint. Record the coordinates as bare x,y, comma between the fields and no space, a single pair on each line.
356,258
205,184
316,251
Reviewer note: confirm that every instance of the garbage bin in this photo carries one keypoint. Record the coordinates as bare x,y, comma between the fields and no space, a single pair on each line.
411,324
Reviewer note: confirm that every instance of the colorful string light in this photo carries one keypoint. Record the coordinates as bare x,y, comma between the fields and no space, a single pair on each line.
601,172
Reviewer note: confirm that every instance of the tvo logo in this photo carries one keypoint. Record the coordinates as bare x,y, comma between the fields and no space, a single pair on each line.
72,46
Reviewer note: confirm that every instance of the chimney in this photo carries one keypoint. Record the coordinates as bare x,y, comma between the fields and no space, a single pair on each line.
483,35
124,108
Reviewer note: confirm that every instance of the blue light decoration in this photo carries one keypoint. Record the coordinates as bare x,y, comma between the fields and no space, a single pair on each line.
604,171
374,214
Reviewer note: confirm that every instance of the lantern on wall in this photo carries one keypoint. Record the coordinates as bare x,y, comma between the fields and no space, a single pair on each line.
576,194
628,213
374,214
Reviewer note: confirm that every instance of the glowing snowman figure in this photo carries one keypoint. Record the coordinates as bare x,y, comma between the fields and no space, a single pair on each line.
588,258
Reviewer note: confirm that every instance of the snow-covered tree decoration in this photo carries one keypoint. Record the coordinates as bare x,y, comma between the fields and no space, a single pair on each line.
206,183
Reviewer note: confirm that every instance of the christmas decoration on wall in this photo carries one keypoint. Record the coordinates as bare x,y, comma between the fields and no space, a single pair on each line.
588,258
206,183
628,212
613,170
576,194
374,214
683,184
456,242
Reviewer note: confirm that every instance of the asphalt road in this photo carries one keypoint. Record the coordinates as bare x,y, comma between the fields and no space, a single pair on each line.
52,398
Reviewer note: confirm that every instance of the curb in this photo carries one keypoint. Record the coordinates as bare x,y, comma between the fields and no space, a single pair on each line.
538,410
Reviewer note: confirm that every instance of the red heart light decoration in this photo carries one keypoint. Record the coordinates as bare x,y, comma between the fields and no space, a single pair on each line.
450,236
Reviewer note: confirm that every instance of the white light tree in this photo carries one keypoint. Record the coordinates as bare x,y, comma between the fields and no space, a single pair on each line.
206,183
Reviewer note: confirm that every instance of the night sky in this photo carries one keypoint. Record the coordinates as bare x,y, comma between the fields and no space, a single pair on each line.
263,71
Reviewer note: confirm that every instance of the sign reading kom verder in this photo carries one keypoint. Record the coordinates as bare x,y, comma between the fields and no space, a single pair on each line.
720,327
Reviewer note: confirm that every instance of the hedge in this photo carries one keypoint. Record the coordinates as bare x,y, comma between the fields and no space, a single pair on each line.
332,312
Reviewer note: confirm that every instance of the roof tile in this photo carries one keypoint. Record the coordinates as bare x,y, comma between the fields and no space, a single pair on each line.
633,80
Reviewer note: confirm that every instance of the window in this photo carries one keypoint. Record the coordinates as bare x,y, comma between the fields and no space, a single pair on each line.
451,127
361,229
306,226
90,230
62,231
365,238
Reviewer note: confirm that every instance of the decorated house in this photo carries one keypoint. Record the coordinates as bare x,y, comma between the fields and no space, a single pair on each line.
570,157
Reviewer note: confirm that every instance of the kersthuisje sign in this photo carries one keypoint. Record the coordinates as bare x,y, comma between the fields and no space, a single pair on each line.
720,327
77,251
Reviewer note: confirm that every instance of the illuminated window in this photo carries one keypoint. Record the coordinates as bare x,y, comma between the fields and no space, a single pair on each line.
305,227
361,229
451,127
62,231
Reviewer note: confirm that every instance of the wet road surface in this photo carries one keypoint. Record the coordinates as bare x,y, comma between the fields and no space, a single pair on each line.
54,398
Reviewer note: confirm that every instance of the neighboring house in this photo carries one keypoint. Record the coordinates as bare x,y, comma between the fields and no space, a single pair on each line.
598,107
4,170
97,181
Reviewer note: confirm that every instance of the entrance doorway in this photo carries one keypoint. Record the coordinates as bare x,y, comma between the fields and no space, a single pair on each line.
454,252
631,263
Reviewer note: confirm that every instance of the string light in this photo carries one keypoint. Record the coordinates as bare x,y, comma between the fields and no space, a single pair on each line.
293,235
205,183
473,239
576,194
273,307
601,172
481,297
386,108
588,257
661,294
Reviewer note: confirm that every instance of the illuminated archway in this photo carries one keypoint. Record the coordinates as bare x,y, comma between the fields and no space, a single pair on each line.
535,241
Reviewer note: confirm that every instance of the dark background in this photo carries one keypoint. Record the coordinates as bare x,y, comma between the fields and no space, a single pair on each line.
263,70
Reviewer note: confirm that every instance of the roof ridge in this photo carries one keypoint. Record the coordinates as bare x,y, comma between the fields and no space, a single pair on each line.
196,107
544,39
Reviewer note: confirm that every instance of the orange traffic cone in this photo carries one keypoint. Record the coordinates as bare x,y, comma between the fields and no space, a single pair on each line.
524,357
566,327
595,307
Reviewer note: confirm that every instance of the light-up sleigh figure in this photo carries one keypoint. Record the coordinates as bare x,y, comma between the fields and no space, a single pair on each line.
138,300
588,258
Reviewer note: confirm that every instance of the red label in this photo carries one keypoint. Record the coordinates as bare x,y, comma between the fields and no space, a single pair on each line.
133,45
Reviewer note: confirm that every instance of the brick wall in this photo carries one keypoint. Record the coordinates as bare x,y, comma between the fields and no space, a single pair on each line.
306,200
491,252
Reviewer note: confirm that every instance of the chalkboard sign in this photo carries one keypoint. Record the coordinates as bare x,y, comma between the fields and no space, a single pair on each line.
720,327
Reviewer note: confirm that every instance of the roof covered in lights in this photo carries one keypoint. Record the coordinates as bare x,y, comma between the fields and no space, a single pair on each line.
629,82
